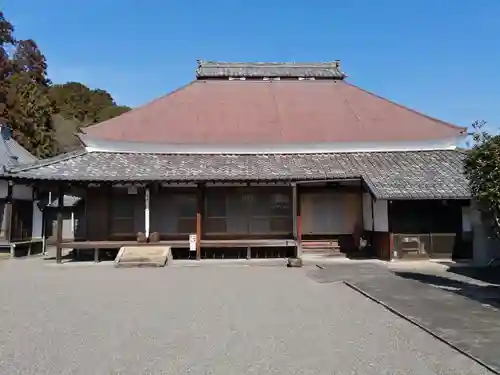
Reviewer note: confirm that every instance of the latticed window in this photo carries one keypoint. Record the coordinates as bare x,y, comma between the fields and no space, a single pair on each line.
245,211
122,214
173,212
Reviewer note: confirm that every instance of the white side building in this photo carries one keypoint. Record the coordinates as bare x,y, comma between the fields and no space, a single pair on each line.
21,218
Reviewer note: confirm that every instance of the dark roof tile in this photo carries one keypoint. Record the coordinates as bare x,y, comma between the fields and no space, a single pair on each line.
218,69
389,175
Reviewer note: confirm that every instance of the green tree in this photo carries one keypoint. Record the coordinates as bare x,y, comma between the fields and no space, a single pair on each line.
31,113
31,116
30,61
72,100
44,117
6,41
111,111
482,168
75,101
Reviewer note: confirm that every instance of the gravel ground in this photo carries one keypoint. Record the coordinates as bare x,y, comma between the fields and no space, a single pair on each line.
74,319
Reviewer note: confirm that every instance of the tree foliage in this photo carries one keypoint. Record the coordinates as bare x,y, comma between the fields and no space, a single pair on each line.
482,168
75,101
24,89
29,61
32,106
31,116
111,111
6,41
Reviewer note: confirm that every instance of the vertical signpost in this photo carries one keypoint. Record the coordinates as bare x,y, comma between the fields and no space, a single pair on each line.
192,243
146,212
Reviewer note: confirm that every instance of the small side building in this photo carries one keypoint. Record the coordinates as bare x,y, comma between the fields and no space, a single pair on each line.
22,218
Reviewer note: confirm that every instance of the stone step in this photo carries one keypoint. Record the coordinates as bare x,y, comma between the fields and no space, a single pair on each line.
329,252
143,256
311,246
328,248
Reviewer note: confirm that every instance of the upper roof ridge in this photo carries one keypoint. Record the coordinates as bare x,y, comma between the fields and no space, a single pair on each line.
222,69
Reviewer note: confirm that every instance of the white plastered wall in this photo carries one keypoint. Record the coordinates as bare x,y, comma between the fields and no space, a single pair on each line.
37,221
379,214
467,218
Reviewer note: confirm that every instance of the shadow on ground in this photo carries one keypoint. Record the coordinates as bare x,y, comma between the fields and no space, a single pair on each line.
85,256
486,274
458,309
486,294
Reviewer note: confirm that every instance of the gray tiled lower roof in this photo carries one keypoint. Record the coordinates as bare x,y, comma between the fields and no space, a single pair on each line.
218,69
389,175
11,152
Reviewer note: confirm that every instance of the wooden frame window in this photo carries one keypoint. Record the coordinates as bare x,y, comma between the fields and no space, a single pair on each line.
215,211
248,211
186,207
126,213
173,212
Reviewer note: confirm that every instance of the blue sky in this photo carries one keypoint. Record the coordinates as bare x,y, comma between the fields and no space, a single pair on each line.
441,57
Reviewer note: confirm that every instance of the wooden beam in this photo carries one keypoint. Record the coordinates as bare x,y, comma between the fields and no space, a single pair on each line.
59,230
200,199
297,220
393,253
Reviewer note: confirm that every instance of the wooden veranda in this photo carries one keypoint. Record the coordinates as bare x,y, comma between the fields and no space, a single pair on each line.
241,216
248,216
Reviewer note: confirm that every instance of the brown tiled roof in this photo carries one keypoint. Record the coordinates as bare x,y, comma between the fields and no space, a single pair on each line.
271,112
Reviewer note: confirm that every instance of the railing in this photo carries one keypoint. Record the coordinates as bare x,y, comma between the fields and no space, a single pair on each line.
424,245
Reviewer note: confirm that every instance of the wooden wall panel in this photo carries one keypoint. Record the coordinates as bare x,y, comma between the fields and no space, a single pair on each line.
330,212
381,242
97,211
173,212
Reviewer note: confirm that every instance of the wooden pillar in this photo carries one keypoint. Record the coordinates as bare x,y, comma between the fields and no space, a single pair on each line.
59,230
373,212
7,228
297,220
392,250
200,194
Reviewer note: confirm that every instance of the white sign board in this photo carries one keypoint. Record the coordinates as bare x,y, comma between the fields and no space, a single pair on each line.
192,242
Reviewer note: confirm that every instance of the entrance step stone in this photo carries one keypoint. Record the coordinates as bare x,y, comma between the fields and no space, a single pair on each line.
329,248
143,256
